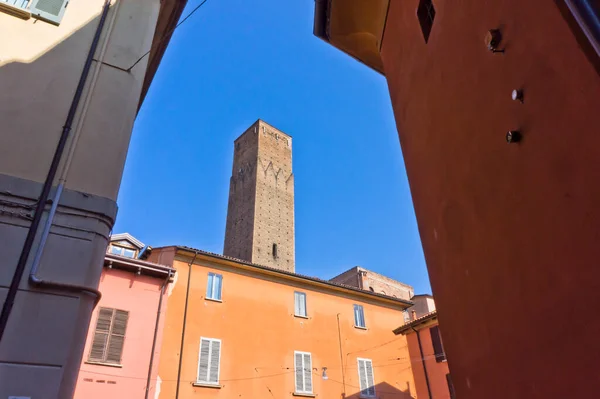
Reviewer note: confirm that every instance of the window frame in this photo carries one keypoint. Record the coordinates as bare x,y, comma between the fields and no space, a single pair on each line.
46,16
31,10
208,366
121,249
362,314
362,394
312,387
437,344
210,294
296,308
109,336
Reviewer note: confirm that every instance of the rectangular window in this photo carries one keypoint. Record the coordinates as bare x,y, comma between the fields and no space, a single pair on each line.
122,251
213,287
359,316
303,372
109,336
406,316
366,378
49,10
436,341
209,361
300,304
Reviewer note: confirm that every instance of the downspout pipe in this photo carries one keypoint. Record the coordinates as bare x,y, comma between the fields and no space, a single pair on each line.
46,188
341,355
162,294
185,310
423,361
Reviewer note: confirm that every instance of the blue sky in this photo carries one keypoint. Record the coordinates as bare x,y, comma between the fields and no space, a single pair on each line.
235,61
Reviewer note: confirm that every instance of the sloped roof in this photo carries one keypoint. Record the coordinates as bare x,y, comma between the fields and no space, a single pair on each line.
417,322
127,237
317,280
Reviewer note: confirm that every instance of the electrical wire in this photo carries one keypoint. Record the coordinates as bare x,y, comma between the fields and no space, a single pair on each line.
376,346
190,381
168,34
353,386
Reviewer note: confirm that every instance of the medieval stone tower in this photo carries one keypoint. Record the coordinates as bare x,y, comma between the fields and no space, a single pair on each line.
260,214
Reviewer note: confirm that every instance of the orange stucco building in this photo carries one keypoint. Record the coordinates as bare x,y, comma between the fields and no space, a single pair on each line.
234,329
429,362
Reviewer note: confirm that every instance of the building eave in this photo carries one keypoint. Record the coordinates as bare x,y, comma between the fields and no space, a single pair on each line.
127,237
417,324
138,266
168,17
390,301
345,25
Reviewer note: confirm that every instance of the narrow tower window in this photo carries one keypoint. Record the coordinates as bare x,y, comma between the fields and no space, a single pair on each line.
426,15
274,250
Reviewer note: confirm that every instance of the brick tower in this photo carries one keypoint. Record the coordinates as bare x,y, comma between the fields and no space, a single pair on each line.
260,214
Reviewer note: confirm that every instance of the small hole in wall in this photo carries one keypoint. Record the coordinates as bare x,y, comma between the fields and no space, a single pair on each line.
274,250
426,15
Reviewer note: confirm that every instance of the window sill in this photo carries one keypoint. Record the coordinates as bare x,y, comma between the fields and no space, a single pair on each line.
214,300
304,395
361,328
15,11
301,317
105,364
206,385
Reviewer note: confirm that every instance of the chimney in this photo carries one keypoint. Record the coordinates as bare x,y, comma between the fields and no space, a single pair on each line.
413,315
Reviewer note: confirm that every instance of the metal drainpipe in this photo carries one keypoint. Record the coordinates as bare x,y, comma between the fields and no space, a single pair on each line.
185,309
43,199
33,278
162,294
423,361
341,355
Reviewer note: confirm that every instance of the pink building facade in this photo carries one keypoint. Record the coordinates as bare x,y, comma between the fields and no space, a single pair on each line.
123,342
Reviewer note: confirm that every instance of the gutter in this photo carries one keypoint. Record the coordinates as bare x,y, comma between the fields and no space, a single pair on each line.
185,310
114,260
423,362
162,294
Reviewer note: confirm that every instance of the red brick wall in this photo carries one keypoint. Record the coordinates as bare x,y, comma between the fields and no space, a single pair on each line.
504,227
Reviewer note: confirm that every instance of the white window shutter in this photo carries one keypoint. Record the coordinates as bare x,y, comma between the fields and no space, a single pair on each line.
370,378
300,304
299,372
366,378
303,305
49,10
307,373
203,360
213,286
297,303
215,359
209,286
218,284
362,376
